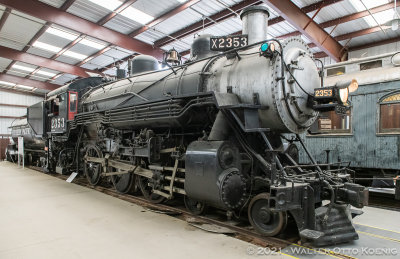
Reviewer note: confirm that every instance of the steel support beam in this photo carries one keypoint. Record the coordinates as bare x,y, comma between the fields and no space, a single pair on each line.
353,34
51,14
308,27
358,15
4,17
164,17
17,55
28,82
364,46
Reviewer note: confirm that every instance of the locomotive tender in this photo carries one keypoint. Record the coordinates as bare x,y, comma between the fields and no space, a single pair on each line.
33,147
209,130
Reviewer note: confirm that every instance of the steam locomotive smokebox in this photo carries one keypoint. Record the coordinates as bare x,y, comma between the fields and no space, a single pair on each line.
213,174
142,63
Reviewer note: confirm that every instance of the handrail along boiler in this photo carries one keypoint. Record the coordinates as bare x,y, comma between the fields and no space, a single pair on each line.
213,130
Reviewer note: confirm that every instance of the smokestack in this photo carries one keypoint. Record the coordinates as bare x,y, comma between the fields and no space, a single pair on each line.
255,23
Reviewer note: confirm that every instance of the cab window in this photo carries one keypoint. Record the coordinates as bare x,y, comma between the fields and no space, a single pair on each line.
73,102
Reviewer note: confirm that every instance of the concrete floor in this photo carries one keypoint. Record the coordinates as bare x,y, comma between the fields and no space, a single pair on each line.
45,217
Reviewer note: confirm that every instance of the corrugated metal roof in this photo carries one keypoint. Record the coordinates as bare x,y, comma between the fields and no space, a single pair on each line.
155,8
4,62
88,10
14,25
122,24
54,3
302,3
61,80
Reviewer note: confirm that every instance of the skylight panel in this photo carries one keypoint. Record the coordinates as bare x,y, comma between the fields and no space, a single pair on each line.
23,68
62,34
381,17
108,4
46,46
75,55
25,87
45,73
137,15
359,6
6,83
92,44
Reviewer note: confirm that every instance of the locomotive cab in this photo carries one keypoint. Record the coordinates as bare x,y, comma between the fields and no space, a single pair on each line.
62,108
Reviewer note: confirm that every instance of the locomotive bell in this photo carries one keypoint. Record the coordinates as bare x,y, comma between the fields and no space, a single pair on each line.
173,57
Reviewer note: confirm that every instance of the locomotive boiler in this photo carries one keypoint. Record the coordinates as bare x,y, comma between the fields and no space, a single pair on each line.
211,130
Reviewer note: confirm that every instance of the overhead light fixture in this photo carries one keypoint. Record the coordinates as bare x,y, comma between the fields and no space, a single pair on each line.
45,73
25,87
181,1
92,44
23,68
6,83
62,34
108,4
75,55
137,15
46,46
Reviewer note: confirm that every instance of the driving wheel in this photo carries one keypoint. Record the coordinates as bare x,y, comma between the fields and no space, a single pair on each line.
91,169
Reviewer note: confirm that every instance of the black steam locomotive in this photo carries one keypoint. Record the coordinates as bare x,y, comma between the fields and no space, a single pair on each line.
211,130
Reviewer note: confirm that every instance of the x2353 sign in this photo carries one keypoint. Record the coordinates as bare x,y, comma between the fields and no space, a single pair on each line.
228,42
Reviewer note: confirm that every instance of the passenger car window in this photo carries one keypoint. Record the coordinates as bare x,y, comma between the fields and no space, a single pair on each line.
332,123
389,114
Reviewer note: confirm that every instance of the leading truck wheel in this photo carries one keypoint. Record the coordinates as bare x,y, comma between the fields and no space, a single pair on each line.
91,169
263,220
195,207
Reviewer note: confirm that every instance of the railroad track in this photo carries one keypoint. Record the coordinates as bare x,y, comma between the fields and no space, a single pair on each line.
235,229
383,201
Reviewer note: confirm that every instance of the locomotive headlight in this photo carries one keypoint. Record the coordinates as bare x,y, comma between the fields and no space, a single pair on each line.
353,86
331,97
344,94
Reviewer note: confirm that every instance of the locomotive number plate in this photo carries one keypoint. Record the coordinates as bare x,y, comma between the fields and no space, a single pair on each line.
322,93
57,123
228,42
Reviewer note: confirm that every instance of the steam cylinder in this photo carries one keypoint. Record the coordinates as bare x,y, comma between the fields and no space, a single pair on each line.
252,75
